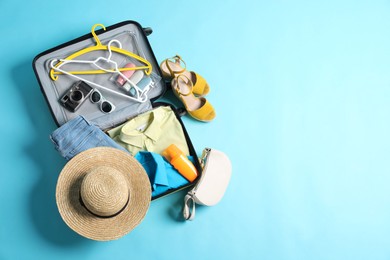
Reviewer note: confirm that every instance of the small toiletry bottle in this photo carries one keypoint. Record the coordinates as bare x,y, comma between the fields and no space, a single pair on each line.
180,162
127,73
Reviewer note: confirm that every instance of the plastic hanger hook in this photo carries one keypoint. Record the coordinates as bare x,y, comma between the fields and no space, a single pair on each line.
94,33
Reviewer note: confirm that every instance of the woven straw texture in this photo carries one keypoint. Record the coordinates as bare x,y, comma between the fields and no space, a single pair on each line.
81,220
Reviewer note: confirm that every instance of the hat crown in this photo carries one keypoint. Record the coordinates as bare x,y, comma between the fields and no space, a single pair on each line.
104,191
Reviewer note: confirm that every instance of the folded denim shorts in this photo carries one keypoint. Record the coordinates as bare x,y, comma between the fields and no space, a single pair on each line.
78,135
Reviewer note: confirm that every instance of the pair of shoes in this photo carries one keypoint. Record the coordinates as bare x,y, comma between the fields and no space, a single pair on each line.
172,67
189,87
198,107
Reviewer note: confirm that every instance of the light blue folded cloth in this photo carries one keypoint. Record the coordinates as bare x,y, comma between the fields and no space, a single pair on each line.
78,135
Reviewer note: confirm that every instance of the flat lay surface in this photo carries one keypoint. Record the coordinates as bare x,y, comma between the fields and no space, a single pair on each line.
301,93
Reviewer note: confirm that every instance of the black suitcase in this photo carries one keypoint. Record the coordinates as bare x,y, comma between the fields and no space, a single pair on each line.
105,43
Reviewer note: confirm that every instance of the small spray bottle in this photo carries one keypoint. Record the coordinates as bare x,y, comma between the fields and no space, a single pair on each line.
180,162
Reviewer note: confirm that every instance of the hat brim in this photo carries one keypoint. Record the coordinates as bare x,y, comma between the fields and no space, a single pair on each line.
78,218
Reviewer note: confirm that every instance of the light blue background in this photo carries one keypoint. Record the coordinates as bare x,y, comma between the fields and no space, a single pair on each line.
301,89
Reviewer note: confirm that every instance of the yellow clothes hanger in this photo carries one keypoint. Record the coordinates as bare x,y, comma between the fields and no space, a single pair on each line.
97,47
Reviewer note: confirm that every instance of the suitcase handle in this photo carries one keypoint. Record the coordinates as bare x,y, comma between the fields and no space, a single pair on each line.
148,31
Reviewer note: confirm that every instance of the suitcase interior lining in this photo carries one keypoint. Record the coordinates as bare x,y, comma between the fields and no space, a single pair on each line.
133,40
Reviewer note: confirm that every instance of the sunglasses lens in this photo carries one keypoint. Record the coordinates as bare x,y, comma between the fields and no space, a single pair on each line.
95,97
106,107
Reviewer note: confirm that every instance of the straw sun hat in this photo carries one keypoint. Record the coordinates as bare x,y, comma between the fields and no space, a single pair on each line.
103,193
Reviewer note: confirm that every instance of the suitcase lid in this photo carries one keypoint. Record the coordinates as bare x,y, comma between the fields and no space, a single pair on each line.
128,36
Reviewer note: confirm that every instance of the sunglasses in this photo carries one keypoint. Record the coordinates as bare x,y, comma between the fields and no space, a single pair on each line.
97,98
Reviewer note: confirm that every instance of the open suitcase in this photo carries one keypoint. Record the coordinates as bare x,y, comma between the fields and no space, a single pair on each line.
121,43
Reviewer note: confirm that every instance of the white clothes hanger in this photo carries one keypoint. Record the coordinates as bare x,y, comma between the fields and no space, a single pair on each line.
140,95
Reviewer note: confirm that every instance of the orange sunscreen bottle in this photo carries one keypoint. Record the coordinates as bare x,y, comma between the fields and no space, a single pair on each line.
180,162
